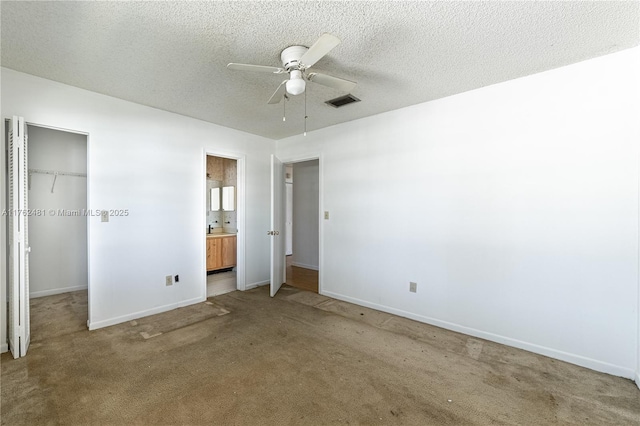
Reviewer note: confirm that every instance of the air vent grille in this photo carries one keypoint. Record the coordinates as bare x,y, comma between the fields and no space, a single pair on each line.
342,101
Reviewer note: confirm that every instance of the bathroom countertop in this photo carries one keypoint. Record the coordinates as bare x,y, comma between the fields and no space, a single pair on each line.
220,234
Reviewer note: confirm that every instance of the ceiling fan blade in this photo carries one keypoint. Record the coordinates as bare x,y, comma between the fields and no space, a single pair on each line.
321,47
334,82
278,94
256,68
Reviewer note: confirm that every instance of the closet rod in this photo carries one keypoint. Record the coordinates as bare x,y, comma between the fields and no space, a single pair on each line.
54,172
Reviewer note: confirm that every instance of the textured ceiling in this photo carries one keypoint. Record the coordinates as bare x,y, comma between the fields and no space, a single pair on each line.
172,55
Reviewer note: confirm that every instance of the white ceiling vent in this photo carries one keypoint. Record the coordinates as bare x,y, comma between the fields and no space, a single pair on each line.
342,101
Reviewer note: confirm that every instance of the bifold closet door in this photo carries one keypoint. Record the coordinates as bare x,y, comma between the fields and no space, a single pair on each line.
19,327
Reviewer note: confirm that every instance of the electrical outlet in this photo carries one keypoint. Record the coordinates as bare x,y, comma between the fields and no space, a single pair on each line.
169,280
177,278
413,287
104,215
326,215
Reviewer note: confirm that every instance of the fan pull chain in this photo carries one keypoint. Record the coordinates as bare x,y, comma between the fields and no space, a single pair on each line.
305,113
284,107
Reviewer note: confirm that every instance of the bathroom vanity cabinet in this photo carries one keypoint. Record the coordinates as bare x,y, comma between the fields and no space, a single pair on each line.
221,251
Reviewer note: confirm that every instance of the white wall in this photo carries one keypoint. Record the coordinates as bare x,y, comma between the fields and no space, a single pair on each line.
514,207
305,214
152,163
58,258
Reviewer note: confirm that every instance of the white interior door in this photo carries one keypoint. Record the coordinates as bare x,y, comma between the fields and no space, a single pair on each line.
277,225
19,328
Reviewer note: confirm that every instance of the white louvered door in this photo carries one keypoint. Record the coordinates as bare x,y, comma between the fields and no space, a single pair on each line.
19,327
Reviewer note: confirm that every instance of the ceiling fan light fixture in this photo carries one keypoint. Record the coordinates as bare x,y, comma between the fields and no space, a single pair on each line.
296,83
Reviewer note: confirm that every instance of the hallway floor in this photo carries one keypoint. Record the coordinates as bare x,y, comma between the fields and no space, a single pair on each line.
299,358
301,278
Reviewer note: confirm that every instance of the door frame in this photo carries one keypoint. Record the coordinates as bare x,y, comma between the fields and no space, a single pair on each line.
4,223
240,159
310,157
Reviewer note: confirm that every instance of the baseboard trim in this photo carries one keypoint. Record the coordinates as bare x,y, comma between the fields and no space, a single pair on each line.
257,284
43,293
94,325
4,348
582,361
302,265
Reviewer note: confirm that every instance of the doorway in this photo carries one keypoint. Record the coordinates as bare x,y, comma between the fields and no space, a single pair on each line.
57,186
302,180
221,225
54,232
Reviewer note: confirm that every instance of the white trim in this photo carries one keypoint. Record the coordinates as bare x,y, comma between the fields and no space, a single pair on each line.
637,336
60,129
88,248
4,348
582,361
321,223
302,265
136,315
43,293
257,284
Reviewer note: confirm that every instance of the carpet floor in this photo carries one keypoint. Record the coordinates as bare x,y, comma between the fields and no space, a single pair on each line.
299,358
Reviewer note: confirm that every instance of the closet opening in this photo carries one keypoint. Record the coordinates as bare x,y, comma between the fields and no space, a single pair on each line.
57,230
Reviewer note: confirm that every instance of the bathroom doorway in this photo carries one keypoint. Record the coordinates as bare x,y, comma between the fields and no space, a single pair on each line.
221,225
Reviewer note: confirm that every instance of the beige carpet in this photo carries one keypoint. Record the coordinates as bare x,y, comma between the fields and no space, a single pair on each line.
299,358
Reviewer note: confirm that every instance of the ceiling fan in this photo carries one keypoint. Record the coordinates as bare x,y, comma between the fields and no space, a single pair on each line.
296,61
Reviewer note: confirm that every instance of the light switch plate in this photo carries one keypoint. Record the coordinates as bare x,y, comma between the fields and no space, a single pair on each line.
413,287
326,215
104,216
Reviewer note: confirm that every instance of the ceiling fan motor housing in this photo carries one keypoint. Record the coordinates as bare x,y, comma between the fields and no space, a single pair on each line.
291,57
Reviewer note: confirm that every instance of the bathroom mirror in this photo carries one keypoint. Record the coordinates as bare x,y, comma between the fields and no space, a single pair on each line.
228,198
215,199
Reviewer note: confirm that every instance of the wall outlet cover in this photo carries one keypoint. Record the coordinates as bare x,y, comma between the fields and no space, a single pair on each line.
177,278
168,280
413,287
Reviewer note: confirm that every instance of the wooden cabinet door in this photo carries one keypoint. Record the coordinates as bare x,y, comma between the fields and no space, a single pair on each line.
214,254
228,252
